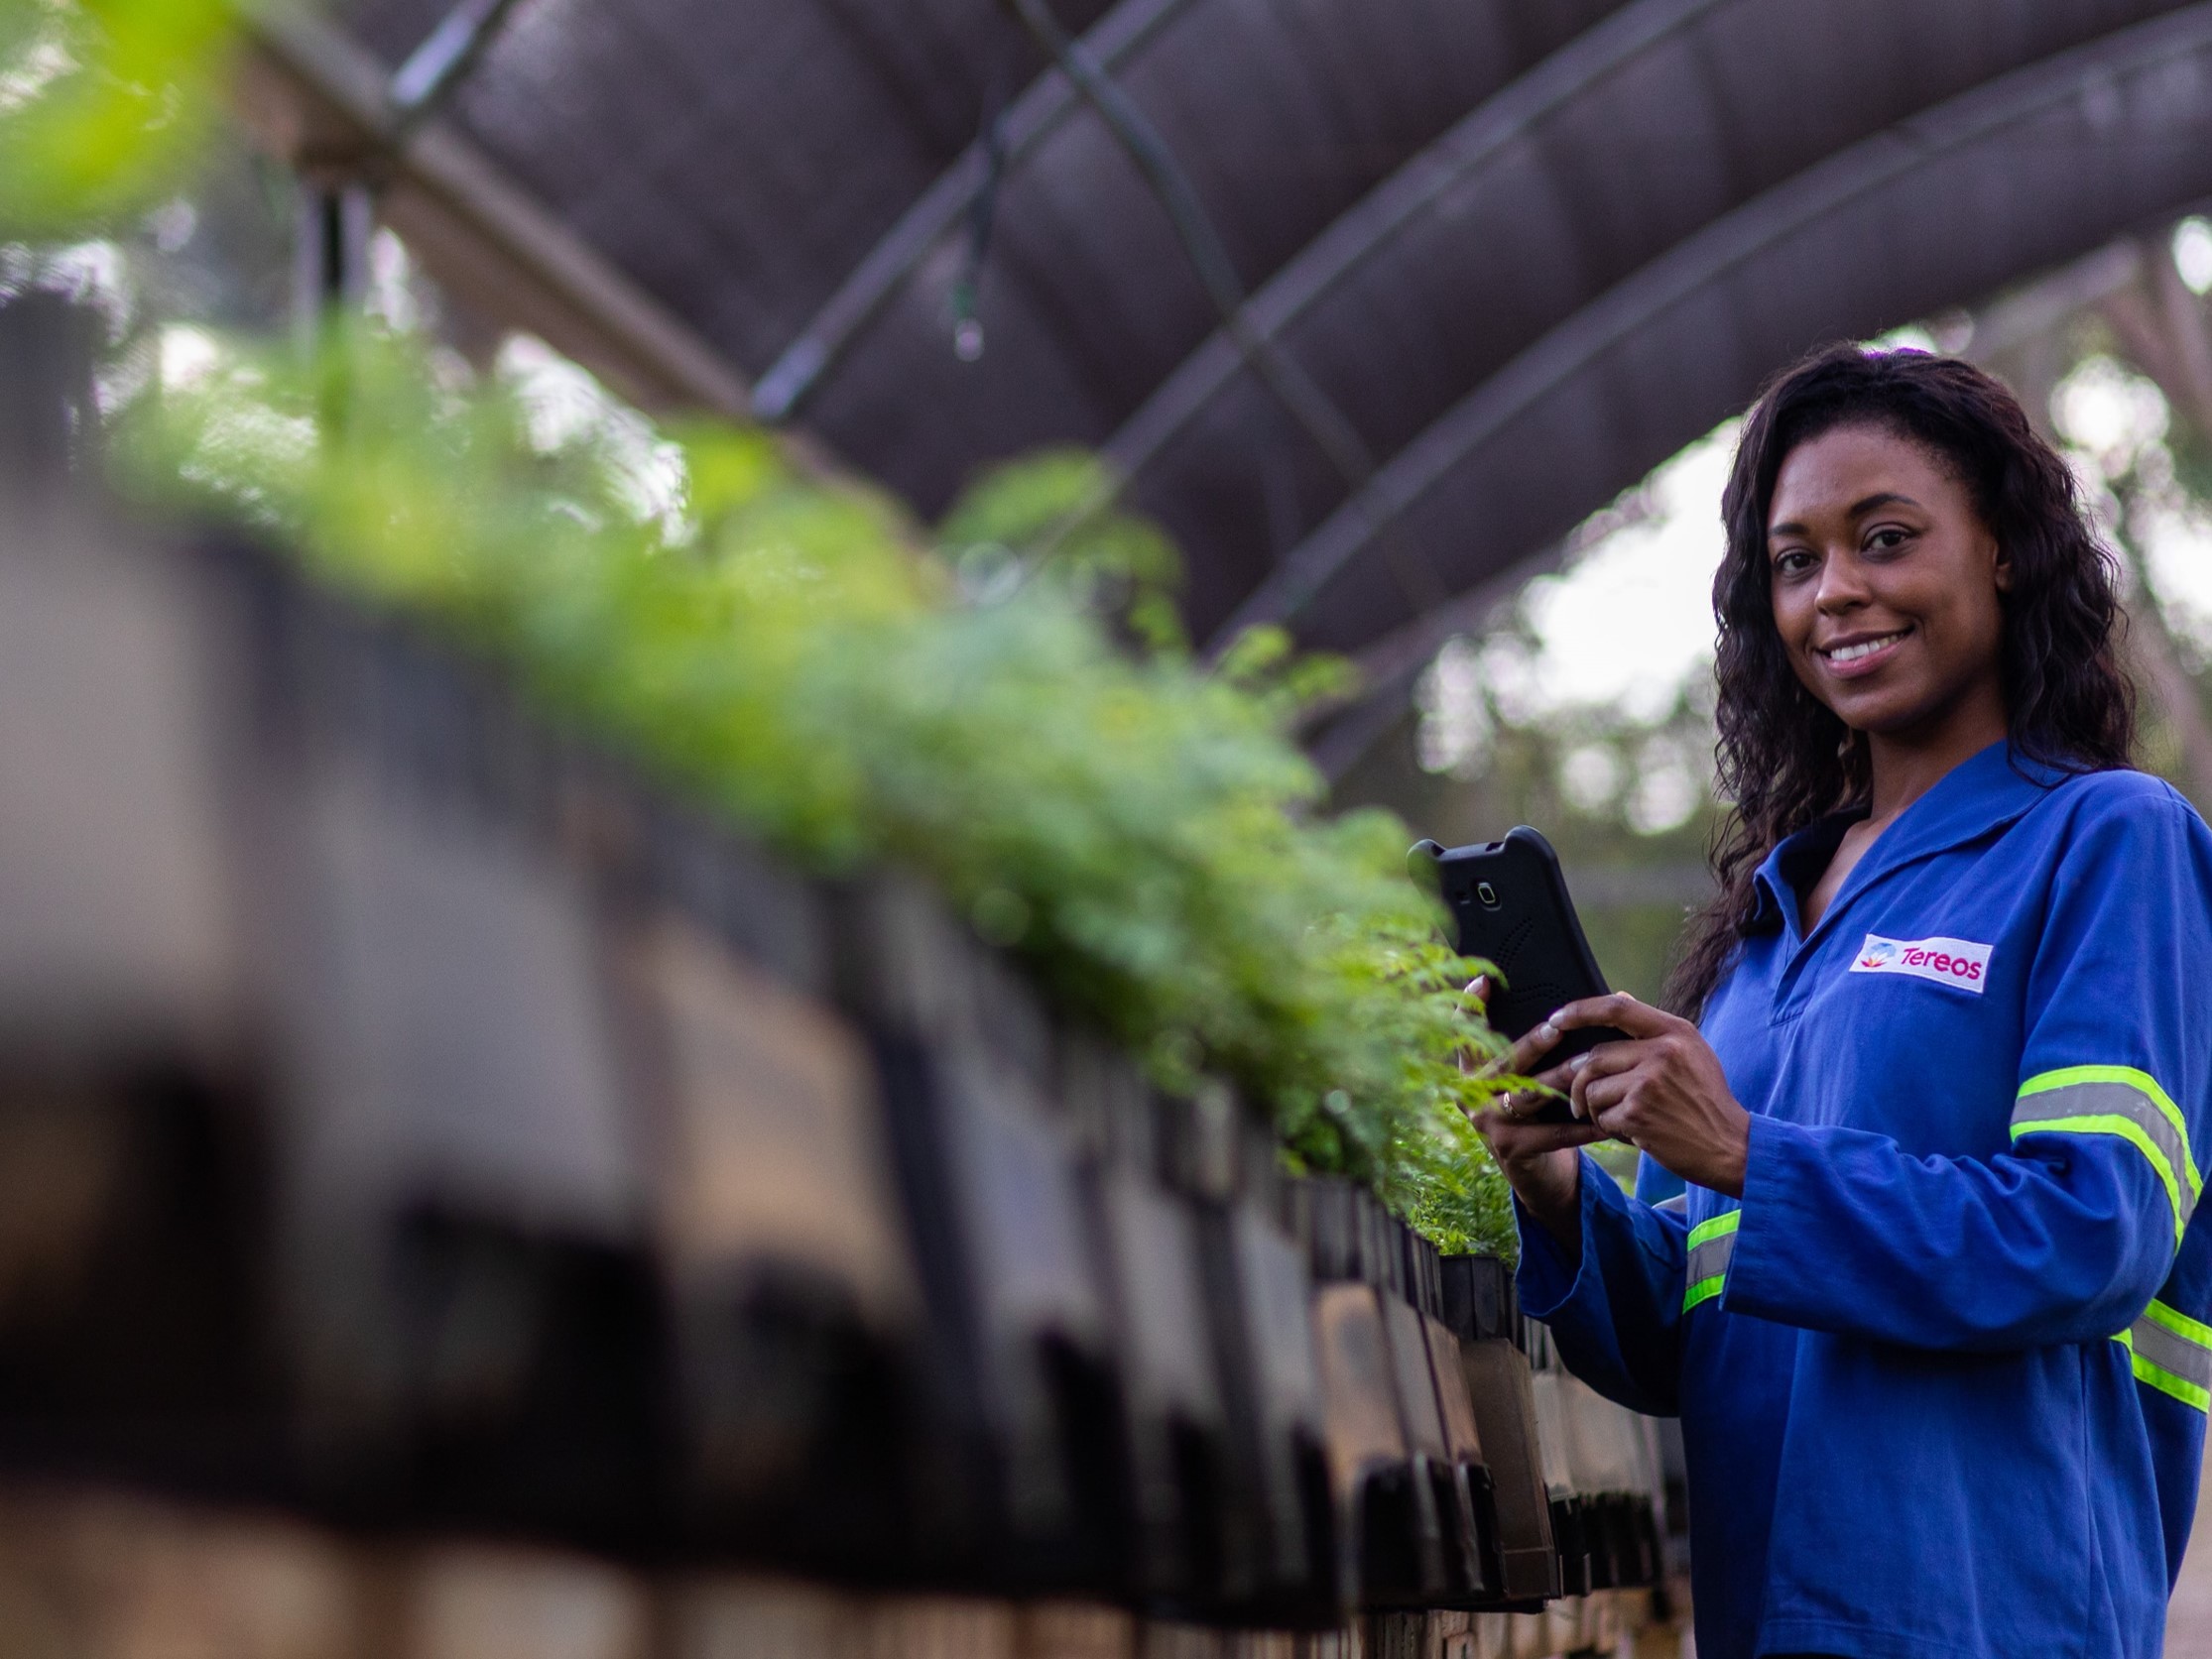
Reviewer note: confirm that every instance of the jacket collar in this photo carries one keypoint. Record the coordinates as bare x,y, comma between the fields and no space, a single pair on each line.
1978,797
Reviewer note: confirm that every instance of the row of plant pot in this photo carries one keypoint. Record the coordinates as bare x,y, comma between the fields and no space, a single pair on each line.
411,1115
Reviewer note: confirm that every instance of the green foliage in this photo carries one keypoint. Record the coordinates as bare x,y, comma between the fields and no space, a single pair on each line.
1142,834
102,104
1048,517
1008,706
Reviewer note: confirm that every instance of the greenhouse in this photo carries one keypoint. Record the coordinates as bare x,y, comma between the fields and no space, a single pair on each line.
709,722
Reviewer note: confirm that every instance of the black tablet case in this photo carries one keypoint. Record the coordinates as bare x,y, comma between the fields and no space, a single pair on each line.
1509,902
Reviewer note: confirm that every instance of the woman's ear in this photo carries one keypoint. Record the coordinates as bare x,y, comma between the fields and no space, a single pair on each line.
2002,569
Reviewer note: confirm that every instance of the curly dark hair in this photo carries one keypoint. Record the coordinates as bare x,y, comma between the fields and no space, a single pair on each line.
1783,760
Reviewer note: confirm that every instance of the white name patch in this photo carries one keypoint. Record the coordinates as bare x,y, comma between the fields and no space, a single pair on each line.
1959,962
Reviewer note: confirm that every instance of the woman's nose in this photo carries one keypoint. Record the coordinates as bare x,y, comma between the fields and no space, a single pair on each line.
1841,586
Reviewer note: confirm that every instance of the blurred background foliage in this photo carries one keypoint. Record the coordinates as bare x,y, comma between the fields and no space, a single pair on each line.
1006,699
1003,702
798,653
102,104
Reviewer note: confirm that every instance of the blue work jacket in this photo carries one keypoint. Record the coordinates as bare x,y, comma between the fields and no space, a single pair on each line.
1943,1371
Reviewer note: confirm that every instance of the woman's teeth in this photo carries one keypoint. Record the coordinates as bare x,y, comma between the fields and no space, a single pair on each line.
1865,648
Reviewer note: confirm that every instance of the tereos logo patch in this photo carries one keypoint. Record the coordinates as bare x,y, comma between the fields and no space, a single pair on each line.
1959,963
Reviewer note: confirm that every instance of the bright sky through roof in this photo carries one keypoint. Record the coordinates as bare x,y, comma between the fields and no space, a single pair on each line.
2116,420
1630,622
1632,619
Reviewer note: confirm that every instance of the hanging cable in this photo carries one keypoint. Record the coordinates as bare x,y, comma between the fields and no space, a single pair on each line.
967,323
1300,397
442,62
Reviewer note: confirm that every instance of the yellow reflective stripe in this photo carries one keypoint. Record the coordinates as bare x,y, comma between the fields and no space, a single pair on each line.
1712,1244
2127,1129
2172,1352
1726,1221
2178,1387
2156,1376
2143,1082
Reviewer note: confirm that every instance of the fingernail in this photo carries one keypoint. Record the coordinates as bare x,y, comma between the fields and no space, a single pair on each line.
1548,1032
1578,1062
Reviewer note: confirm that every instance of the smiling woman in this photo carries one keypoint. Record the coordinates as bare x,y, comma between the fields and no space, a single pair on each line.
1895,493
1887,586
1913,1242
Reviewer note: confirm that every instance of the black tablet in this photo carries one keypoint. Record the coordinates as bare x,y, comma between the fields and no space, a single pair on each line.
1509,902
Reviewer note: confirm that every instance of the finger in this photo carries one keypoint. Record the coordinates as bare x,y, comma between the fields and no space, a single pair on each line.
1531,1047
1600,1095
1613,1120
1578,1092
1618,1009
1511,1139
1518,1106
1471,1058
1555,1077
1610,1057
1593,1074
1607,1060
1532,1095
1554,1137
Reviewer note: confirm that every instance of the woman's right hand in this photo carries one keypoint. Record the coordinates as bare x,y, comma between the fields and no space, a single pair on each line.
1540,1161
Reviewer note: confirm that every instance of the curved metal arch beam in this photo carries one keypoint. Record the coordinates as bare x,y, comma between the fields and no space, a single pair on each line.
1365,228
450,53
1972,118
1300,395
1388,668
799,372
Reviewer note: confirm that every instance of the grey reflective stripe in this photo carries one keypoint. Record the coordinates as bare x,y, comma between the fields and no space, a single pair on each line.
2107,1105
1675,1206
1712,1245
2172,1352
1709,1260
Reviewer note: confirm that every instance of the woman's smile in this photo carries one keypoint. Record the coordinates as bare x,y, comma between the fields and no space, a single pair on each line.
1856,655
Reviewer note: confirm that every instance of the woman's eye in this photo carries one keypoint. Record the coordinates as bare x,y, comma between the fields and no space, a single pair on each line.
1792,562
1888,540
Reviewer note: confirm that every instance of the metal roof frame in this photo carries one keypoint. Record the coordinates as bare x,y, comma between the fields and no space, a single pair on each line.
1728,243
1464,220
783,391
1354,238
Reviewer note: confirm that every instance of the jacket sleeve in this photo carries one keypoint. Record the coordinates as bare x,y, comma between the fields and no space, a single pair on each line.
2068,1235
1615,1310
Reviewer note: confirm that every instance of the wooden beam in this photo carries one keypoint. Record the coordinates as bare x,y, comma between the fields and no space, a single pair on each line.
317,100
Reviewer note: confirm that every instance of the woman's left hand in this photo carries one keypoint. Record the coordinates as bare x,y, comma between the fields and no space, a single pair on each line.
1662,1091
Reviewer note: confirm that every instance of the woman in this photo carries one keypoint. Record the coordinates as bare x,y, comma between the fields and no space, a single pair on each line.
1931,1307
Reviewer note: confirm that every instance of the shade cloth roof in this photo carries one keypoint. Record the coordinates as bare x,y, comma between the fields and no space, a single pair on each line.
1527,248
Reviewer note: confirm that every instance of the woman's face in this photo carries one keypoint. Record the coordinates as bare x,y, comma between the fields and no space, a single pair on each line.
1884,582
